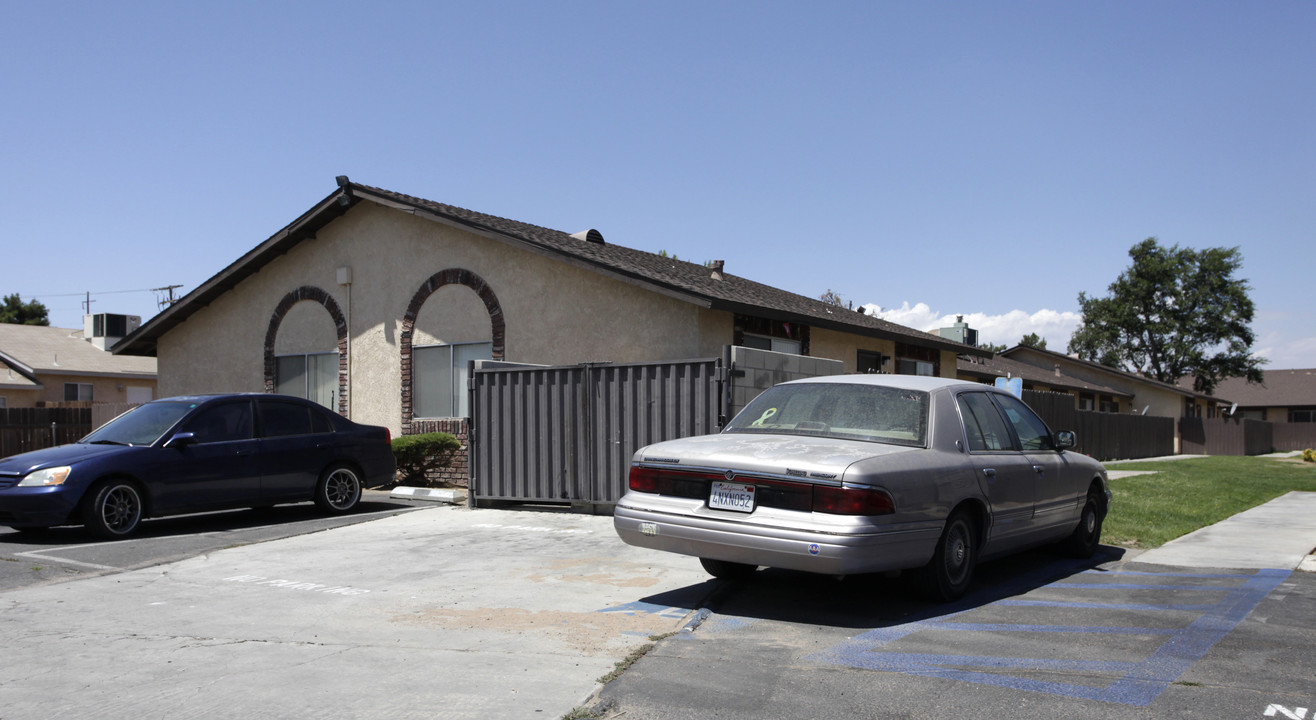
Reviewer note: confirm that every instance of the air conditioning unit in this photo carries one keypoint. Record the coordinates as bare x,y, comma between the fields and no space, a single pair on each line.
105,329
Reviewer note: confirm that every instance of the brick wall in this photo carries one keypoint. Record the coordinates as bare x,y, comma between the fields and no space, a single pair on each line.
457,474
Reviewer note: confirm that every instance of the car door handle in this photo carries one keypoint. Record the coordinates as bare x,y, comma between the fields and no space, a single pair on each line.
990,473
1039,469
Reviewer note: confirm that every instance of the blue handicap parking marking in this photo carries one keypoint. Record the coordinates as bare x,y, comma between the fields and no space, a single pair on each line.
644,608
1173,648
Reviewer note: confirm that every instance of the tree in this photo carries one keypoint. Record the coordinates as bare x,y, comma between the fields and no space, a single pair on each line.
1033,340
1176,312
17,312
831,297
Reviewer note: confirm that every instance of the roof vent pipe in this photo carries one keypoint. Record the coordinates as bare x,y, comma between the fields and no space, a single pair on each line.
590,235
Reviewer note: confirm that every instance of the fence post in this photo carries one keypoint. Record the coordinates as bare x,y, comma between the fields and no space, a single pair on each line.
54,439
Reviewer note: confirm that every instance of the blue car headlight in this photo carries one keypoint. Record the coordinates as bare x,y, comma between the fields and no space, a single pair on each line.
46,477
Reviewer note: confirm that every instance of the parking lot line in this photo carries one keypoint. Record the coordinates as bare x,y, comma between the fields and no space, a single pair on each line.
893,649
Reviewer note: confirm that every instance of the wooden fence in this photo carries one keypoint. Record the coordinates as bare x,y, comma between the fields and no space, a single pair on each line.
1238,436
1104,436
26,429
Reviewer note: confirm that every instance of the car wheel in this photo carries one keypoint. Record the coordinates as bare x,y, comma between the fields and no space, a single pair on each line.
113,509
339,489
1086,537
724,570
948,575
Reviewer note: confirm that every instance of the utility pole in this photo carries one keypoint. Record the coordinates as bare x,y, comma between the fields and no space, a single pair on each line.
86,304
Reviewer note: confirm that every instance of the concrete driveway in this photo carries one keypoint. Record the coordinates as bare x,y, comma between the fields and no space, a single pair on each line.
438,613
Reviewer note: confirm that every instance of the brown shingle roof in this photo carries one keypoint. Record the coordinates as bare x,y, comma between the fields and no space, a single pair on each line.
690,281
1000,366
1280,388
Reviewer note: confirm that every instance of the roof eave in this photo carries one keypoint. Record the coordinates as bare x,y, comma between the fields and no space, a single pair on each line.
143,340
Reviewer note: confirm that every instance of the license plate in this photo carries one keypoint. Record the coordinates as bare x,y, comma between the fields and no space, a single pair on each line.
731,496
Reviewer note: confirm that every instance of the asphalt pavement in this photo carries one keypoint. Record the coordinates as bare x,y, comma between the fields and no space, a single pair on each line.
444,612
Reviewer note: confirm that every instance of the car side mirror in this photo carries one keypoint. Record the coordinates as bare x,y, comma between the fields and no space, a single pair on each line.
1066,439
181,440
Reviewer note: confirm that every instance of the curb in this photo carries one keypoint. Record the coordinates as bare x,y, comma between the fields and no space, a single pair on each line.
443,495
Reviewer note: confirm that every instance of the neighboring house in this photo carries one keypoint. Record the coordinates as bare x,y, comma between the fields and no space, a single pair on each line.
46,366
373,302
1285,396
1088,394
1141,394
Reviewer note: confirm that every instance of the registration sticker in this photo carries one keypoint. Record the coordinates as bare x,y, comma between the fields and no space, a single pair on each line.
731,496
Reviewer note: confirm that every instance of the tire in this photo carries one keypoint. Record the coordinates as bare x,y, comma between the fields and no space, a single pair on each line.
724,570
948,575
339,489
113,510
1086,538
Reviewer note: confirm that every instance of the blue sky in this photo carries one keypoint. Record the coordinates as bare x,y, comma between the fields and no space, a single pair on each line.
931,159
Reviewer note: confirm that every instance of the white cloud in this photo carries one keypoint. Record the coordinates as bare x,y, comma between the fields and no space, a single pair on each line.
1051,325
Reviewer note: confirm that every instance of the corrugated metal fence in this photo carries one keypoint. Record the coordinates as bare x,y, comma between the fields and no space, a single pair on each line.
566,434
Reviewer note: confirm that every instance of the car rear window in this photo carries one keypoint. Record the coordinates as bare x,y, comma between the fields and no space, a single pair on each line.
840,410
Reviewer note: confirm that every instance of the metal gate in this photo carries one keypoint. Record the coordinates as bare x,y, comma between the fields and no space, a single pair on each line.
566,434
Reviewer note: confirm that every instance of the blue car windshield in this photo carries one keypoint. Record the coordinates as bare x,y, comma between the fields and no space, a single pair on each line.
142,425
846,411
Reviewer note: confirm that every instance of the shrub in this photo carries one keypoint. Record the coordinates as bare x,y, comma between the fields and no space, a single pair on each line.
1309,455
417,455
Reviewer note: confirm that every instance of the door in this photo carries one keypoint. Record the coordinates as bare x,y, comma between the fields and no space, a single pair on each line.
1058,499
218,469
1005,474
295,446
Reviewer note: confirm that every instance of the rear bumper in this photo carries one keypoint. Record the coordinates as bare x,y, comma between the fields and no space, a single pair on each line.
829,551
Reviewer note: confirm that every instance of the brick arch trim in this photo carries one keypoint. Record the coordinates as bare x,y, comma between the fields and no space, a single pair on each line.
323,298
451,276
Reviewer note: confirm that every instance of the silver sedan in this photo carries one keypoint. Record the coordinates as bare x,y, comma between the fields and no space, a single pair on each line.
867,473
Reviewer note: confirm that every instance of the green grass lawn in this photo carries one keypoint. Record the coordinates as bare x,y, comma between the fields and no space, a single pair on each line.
1184,495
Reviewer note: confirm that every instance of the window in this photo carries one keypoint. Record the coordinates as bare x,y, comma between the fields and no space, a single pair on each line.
775,335
1302,415
222,423
3,402
983,424
284,418
312,376
763,342
1109,404
915,360
869,362
77,392
439,374
1086,401
915,367
1033,433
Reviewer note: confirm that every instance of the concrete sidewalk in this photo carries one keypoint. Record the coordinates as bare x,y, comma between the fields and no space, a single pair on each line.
1280,534
438,613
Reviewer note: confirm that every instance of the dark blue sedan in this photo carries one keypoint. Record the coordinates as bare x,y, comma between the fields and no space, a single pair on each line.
193,454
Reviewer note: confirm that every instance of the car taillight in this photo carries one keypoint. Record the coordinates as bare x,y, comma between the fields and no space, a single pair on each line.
645,479
852,501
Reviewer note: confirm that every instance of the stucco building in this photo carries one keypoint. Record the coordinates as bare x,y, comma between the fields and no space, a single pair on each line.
372,303
48,366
